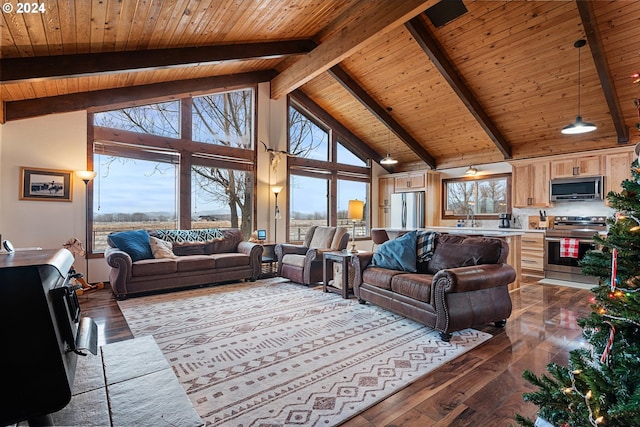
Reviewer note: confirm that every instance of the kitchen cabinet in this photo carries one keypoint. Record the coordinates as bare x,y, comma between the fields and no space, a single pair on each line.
532,255
384,216
617,168
386,186
579,166
530,185
410,182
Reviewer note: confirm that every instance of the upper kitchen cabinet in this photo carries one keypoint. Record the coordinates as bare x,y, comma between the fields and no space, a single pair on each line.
530,185
579,166
617,168
413,181
386,186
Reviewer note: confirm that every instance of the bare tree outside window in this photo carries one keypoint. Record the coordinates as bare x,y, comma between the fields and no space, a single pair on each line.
484,196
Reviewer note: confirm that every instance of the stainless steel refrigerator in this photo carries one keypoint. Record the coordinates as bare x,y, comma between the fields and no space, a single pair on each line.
407,210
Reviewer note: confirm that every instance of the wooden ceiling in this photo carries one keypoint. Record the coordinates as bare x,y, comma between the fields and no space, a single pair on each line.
496,83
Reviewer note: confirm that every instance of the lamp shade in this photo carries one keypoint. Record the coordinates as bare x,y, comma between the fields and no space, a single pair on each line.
578,127
356,209
276,189
86,175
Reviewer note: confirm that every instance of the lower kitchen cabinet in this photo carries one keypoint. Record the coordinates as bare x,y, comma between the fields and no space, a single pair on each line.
532,255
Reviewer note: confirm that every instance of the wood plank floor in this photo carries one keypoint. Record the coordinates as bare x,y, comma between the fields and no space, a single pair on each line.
481,388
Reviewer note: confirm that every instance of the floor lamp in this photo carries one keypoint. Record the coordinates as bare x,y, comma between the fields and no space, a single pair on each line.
86,176
276,189
355,212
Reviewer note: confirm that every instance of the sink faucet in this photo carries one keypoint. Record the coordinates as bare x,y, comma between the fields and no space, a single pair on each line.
471,217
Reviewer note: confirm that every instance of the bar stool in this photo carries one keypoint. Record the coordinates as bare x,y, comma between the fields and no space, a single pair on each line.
379,236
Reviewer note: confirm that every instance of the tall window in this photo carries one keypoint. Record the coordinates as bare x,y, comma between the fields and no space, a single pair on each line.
141,153
484,197
323,176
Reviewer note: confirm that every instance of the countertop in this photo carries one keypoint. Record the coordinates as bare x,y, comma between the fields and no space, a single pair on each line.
478,231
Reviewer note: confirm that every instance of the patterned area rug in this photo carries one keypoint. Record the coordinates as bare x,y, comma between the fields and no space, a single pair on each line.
273,353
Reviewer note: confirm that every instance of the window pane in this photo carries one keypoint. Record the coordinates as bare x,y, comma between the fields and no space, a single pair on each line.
484,196
132,194
221,198
353,190
344,155
306,139
156,119
492,196
459,197
224,119
308,205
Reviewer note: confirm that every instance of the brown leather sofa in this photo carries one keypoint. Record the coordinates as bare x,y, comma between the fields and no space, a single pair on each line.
193,262
303,263
465,284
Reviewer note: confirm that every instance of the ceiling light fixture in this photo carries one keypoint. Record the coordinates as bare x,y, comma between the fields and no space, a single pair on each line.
388,160
471,171
579,126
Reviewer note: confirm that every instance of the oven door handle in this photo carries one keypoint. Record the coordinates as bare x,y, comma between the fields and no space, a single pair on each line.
557,239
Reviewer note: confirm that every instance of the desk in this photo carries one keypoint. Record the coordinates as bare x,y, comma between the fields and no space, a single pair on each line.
328,258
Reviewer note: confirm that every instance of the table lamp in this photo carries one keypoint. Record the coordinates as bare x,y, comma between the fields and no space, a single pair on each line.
355,213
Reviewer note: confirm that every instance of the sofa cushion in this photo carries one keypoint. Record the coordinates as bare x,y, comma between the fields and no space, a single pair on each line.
195,262
322,237
415,286
231,237
397,254
337,237
226,260
460,251
380,277
161,248
135,243
153,267
184,249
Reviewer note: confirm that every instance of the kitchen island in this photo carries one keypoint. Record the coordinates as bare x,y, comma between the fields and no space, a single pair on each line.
513,237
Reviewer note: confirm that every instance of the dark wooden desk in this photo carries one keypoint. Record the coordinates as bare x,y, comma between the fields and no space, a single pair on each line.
328,258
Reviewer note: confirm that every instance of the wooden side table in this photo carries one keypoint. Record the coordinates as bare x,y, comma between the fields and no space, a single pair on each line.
328,258
268,259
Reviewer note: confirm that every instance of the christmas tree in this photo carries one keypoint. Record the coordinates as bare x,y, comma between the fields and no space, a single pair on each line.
601,384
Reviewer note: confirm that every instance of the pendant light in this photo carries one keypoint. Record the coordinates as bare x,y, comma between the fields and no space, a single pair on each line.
579,126
388,160
471,171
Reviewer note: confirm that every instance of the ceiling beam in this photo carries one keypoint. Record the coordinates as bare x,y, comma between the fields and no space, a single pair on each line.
430,46
90,64
376,20
354,142
128,96
381,113
590,24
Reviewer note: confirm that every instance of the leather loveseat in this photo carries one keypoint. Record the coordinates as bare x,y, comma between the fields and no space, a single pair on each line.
184,258
463,284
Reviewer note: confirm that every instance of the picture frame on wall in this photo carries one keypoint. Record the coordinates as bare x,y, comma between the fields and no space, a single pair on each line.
51,185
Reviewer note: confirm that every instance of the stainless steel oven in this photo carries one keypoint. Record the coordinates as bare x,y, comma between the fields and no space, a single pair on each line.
582,229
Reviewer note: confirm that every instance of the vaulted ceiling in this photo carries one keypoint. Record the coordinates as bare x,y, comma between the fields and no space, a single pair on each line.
497,82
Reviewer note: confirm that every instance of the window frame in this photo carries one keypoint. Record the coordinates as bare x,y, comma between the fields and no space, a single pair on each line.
330,170
477,179
190,152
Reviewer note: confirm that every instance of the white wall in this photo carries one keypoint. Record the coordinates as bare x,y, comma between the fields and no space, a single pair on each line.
53,142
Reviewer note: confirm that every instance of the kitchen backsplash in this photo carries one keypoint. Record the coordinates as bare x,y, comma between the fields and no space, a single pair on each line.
584,208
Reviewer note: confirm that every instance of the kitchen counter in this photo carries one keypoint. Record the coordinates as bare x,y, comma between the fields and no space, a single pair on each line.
473,231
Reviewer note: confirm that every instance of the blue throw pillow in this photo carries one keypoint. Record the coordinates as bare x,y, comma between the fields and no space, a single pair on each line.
135,243
397,254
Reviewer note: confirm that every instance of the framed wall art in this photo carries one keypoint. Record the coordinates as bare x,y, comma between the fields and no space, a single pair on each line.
45,184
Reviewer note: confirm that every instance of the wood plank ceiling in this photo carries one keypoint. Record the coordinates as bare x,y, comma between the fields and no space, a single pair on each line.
498,82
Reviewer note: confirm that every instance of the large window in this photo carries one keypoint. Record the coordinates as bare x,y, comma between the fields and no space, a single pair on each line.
323,176
483,197
152,173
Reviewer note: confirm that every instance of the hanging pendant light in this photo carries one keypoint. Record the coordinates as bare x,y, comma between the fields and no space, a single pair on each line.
579,126
471,171
388,160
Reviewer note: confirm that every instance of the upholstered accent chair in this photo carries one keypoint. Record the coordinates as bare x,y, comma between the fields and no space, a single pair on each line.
303,263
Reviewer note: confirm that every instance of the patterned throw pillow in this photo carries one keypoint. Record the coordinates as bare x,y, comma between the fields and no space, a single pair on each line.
190,236
161,248
425,242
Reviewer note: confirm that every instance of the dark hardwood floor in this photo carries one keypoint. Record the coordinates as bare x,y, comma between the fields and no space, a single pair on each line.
481,388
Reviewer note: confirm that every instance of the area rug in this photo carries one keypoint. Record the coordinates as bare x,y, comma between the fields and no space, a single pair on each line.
272,353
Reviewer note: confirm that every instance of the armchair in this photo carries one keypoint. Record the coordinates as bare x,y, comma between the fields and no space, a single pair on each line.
303,263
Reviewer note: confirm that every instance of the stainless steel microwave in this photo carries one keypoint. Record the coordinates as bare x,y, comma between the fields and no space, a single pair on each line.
576,188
